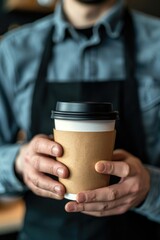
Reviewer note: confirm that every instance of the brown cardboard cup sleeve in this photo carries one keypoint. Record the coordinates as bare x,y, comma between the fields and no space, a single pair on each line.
81,152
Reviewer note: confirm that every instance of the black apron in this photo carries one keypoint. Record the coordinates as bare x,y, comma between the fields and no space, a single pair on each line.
46,218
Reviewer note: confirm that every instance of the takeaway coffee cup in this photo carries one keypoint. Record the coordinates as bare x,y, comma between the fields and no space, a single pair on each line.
86,131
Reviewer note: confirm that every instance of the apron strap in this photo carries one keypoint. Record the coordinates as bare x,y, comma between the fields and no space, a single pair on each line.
40,89
130,91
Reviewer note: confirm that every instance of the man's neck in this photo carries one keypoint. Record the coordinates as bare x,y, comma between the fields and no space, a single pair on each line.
85,15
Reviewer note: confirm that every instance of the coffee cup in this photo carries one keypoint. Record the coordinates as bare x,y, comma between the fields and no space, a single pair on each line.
86,131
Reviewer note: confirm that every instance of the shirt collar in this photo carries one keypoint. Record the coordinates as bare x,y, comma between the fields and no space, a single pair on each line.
112,22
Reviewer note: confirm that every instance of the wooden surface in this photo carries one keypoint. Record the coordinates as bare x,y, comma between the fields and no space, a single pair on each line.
11,215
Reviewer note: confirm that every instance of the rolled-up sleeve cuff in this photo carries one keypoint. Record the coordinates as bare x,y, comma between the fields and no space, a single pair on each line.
151,206
9,183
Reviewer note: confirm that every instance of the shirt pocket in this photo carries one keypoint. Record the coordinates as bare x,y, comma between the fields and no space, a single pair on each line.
150,106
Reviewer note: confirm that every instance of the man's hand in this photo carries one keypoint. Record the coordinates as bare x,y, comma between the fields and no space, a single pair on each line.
129,192
37,159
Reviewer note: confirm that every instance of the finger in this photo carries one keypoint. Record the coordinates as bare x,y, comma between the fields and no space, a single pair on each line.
110,212
99,195
89,207
120,155
110,193
96,209
43,145
117,168
44,193
40,181
133,162
50,166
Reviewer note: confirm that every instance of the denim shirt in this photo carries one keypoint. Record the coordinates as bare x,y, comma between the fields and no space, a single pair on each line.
76,57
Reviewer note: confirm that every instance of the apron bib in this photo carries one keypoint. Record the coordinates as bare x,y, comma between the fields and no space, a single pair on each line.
46,218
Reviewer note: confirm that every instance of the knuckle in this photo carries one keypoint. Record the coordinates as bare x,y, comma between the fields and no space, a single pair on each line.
136,188
51,170
82,207
36,183
112,195
92,196
126,169
50,188
56,170
26,159
36,145
111,168
36,162
104,207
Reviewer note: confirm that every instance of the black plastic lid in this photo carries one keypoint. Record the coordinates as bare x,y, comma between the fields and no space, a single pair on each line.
84,111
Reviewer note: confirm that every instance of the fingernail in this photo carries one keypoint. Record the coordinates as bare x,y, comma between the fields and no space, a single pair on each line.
60,172
81,198
72,208
100,167
55,150
58,190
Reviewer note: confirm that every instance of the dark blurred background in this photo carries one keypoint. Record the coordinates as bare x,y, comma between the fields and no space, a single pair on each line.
14,13
148,6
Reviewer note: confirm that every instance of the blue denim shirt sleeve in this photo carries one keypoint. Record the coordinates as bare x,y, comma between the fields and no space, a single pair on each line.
151,206
9,184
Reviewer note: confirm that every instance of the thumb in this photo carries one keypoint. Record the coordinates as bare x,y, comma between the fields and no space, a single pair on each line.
116,168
